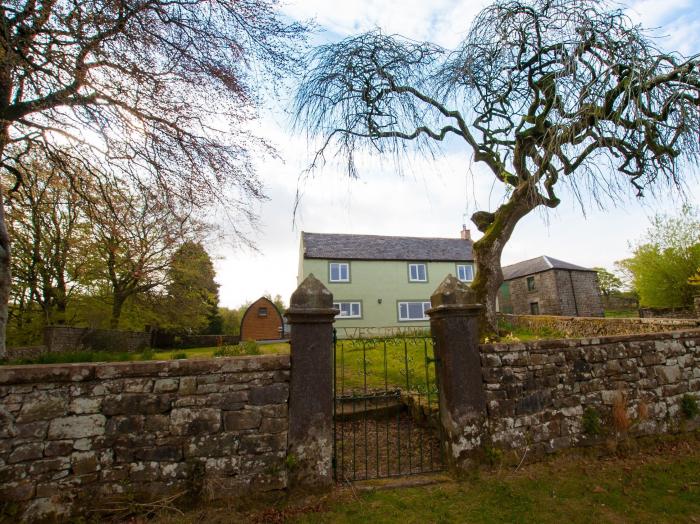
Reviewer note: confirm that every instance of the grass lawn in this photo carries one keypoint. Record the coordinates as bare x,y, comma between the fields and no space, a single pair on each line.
265,349
659,485
622,313
383,364
169,354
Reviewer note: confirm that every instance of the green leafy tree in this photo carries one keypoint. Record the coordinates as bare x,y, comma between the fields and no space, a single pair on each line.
609,282
193,294
666,259
231,320
543,93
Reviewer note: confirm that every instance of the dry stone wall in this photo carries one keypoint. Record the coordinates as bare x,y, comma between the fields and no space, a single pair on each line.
78,433
60,339
595,326
538,394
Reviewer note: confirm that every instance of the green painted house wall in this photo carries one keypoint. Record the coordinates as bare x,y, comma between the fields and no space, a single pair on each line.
379,285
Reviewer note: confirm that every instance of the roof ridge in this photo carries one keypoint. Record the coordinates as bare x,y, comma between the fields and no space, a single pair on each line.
383,236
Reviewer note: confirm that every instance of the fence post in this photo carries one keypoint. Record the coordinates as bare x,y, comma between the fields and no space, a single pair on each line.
310,437
455,328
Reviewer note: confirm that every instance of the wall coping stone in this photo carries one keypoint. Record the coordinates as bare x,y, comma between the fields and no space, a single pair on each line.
646,320
586,341
83,372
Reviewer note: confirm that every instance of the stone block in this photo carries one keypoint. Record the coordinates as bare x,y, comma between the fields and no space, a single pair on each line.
223,466
219,445
42,408
136,403
230,401
157,423
32,430
78,426
166,385
7,423
239,420
274,425
273,394
84,462
166,453
17,491
40,467
138,385
85,405
24,452
144,471
58,448
254,443
188,386
124,424
668,374
187,421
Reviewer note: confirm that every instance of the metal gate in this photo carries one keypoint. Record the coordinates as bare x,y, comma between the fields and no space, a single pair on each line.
385,410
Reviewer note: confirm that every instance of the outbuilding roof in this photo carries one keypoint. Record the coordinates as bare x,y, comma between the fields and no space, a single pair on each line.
537,265
377,247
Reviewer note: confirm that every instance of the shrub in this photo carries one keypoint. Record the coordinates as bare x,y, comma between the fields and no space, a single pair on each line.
147,354
249,347
591,422
689,406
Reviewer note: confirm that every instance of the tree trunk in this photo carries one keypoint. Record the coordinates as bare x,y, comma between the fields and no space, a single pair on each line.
497,228
116,310
5,278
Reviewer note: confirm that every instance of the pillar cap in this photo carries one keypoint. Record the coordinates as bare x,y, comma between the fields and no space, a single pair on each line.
453,292
311,294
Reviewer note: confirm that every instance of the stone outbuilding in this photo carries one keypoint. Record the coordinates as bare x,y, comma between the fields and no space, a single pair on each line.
547,286
262,321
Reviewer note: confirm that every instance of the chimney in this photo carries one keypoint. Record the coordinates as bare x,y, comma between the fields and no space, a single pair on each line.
465,234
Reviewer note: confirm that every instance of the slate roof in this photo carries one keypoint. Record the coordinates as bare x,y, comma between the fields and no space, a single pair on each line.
376,247
537,265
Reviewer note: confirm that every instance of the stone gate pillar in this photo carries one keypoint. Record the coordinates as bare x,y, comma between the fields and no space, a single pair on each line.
454,326
310,437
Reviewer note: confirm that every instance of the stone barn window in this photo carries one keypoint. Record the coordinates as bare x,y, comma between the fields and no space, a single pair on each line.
530,283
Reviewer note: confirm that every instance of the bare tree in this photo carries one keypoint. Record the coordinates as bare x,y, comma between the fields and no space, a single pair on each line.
158,91
46,221
136,235
543,92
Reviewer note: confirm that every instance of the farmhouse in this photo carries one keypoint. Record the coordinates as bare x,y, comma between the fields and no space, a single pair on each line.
547,286
262,321
383,281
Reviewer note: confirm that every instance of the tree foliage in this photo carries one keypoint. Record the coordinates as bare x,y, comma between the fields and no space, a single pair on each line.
157,93
666,259
609,282
192,292
544,93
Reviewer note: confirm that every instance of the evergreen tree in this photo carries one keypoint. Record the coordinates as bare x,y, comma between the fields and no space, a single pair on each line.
193,294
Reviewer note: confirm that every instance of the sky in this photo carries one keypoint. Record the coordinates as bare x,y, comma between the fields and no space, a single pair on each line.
428,198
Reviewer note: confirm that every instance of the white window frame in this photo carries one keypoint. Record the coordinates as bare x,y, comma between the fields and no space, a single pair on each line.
426,306
340,272
417,265
350,304
465,266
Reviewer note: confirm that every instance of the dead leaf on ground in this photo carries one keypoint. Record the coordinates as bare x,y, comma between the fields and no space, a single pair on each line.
599,489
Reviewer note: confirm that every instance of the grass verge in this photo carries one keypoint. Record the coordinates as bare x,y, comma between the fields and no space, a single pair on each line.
660,484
